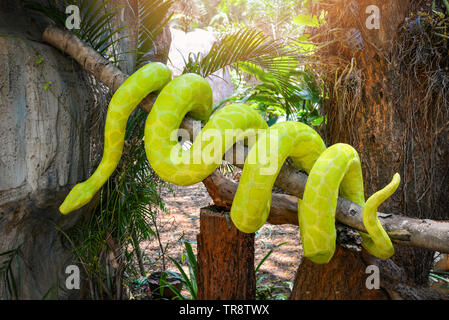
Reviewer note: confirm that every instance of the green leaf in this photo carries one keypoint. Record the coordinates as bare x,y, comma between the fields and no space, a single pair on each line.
267,255
242,45
272,121
317,121
304,45
152,17
306,20
47,85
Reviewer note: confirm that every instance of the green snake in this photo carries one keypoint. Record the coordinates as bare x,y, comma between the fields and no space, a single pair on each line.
332,171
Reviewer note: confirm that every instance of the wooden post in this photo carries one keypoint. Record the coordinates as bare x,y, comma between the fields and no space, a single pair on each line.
225,258
343,278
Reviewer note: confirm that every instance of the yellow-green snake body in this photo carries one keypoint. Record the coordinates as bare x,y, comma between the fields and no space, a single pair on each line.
332,171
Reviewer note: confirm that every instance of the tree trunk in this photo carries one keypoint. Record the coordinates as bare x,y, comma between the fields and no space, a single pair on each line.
50,133
225,259
343,278
394,117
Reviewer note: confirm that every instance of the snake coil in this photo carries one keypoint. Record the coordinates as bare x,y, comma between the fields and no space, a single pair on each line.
332,171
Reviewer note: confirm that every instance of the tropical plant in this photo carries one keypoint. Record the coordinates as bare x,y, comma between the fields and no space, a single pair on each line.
152,16
268,291
107,242
189,281
98,26
285,87
273,17
10,277
242,45
294,95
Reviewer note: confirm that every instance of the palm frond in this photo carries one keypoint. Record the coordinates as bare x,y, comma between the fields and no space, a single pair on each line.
243,45
292,93
152,16
97,28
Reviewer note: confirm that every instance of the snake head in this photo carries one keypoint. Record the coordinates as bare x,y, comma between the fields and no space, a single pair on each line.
80,195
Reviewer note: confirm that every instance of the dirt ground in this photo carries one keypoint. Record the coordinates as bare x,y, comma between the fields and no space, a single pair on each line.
181,222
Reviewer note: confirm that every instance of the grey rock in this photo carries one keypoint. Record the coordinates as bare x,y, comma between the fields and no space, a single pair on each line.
52,115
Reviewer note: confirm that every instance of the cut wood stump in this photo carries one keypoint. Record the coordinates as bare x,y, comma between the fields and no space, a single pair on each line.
343,278
225,258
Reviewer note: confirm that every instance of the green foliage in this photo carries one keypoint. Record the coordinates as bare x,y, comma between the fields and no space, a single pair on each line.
97,27
285,89
241,45
274,17
268,291
106,242
293,94
152,16
189,281
267,256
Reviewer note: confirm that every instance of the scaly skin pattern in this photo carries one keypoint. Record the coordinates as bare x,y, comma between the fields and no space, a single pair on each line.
151,77
192,94
332,171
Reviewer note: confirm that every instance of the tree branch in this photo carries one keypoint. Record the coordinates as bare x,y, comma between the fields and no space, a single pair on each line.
430,234
424,233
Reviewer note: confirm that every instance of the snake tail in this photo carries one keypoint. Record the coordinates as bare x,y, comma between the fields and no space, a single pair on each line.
377,242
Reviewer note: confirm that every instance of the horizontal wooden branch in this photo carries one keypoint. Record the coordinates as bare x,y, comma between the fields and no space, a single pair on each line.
424,233
89,59
430,234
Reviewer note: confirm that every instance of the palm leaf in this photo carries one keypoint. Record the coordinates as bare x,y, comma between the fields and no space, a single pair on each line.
152,16
97,28
243,45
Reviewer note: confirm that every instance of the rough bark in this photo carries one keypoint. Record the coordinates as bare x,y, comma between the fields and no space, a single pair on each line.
330,283
423,233
391,126
394,280
225,259
392,133
293,181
